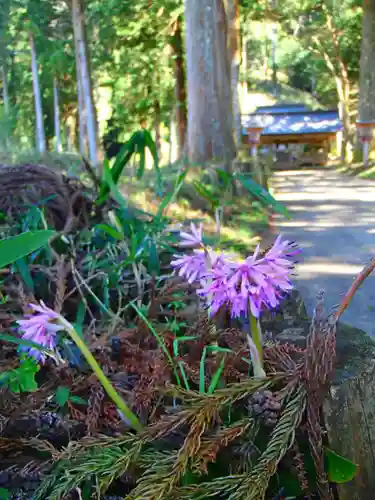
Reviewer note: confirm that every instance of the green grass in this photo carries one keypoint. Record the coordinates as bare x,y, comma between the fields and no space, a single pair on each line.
357,170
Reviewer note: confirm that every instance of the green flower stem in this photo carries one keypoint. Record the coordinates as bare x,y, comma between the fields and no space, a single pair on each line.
257,335
108,387
256,341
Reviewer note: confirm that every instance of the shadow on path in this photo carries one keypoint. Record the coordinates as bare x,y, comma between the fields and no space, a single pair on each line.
333,221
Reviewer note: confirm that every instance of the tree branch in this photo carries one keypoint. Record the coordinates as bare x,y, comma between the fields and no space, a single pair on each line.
365,273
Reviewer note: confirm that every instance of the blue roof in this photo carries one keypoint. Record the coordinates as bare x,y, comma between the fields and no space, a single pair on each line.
282,108
307,122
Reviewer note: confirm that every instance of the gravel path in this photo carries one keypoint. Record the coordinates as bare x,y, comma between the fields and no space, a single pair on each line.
333,221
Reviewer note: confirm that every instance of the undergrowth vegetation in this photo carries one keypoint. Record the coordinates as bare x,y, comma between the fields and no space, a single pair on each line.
120,377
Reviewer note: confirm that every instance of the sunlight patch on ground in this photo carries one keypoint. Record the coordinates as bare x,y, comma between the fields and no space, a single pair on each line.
313,269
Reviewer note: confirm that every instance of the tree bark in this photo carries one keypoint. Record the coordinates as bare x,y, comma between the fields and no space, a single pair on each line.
210,116
180,85
233,13
84,72
337,67
4,74
157,127
244,62
40,135
56,107
367,64
82,129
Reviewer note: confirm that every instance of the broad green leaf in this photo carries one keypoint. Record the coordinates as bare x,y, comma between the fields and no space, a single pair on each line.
150,143
22,379
224,177
142,162
339,469
206,194
80,318
62,395
26,343
24,271
77,400
4,494
172,194
262,195
17,247
153,262
111,231
112,185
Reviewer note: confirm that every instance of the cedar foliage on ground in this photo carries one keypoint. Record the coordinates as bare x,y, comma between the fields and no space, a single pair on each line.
228,444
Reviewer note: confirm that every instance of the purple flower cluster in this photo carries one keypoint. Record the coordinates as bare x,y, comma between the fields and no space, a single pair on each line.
40,328
259,282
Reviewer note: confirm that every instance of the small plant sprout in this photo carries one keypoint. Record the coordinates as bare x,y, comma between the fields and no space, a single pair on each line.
246,288
42,327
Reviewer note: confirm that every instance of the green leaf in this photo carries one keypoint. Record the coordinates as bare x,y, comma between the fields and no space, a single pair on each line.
202,365
62,395
22,379
77,400
339,469
26,343
206,194
216,378
112,185
80,315
172,194
4,494
177,340
262,195
17,247
142,162
153,262
111,231
24,271
150,143
224,177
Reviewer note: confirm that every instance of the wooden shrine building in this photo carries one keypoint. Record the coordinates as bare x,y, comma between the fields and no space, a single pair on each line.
293,124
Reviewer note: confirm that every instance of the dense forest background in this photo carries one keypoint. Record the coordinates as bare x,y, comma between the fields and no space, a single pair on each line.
79,73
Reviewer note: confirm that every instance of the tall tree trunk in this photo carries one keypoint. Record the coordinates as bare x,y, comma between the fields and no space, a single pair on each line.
56,114
274,48
233,13
157,127
4,74
367,65
337,67
210,116
244,65
274,63
40,135
180,85
84,72
81,122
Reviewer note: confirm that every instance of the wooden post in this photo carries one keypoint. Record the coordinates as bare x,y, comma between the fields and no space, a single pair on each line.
253,135
365,130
